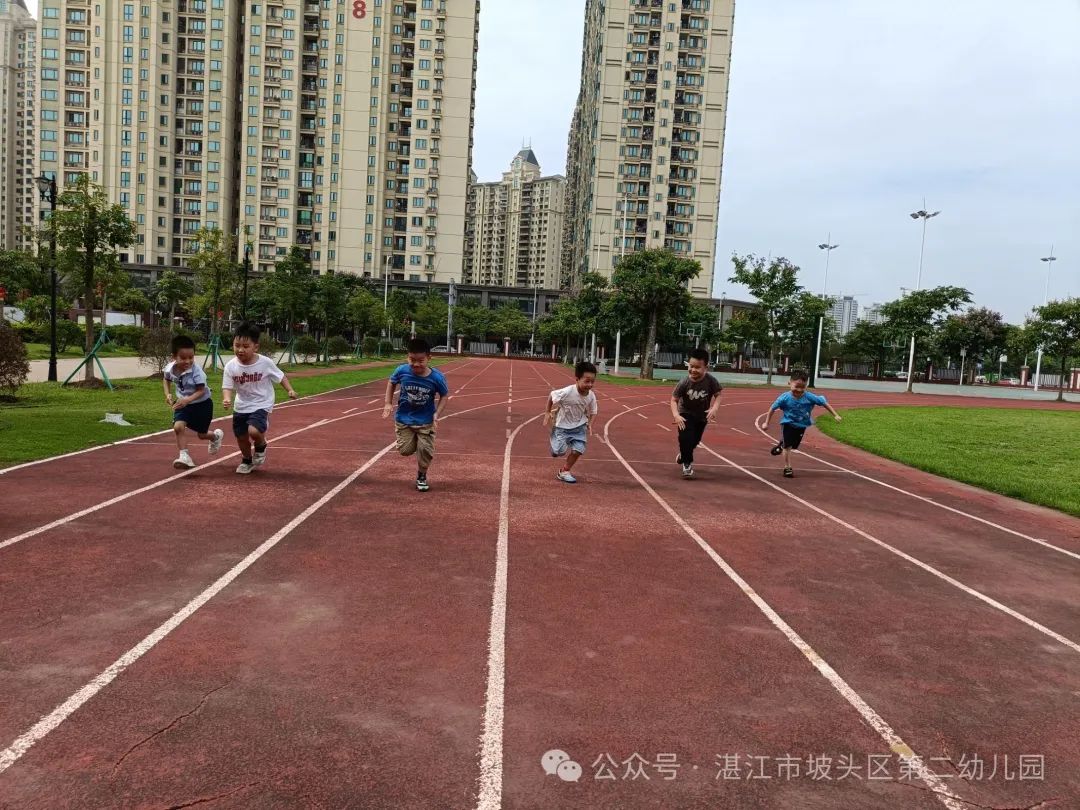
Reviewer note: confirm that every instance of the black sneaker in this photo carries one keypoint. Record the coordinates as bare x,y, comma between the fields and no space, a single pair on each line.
778,449
788,472
422,482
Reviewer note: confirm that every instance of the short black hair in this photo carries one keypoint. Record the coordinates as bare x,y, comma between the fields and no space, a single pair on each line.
248,330
418,346
182,342
700,354
799,374
584,367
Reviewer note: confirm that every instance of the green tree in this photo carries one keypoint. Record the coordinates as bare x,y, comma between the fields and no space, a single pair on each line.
289,290
803,327
979,331
329,304
774,282
363,311
509,321
171,288
89,231
35,308
21,274
216,275
562,324
472,320
430,315
651,284
918,315
867,341
1057,329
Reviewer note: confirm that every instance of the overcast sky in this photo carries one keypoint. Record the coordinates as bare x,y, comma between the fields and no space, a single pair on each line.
843,115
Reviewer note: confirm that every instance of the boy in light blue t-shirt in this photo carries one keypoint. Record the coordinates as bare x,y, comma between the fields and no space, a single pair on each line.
796,405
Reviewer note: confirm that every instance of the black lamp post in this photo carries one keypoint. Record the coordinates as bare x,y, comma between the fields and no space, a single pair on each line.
247,270
47,186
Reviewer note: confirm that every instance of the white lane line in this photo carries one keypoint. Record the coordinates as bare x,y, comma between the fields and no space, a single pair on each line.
373,401
876,721
905,556
132,493
643,416
491,741
49,722
938,504
663,427
352,409
743,432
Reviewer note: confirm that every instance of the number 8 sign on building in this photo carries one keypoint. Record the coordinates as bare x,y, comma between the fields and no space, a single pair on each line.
359,9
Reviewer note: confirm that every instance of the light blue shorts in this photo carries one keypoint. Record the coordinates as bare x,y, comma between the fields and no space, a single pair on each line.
566,439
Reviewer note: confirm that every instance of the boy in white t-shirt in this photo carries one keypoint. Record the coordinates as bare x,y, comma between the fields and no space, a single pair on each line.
252,377
574,408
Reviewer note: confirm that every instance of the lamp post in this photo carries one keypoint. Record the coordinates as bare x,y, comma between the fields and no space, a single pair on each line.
1046,297
925,217
386,294
828,247
532,336
451,301
47,187
247,271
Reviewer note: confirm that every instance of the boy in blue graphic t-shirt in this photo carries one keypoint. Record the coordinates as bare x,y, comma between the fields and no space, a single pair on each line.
417,411
796,406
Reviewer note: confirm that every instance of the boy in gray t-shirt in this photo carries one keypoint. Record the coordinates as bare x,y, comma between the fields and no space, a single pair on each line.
694,403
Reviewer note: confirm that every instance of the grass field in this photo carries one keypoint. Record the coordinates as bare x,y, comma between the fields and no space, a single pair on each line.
40,351
1027,454
48,420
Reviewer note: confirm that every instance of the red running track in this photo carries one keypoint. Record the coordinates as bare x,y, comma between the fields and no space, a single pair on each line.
321,635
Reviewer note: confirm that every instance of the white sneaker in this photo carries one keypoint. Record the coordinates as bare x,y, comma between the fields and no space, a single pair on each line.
183,461
687,471
215,443
245,468
565,477
258,459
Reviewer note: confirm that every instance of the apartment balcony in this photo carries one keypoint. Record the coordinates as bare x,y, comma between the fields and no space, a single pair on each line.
310,65
311,9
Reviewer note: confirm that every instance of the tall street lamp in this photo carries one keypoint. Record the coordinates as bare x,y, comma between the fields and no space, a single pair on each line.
1046,297
47,187
924,216
828,247
247,271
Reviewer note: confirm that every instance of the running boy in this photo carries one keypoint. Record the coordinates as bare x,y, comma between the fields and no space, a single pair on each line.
796,406
252,376
573,409
694,403
193,407
417,413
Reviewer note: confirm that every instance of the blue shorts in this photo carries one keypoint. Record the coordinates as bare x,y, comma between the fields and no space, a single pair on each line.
196,415
260,420
566,439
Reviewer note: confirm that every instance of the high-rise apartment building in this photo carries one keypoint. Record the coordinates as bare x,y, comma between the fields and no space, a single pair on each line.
141,97
647,139
357,134
18,82
341,127
872,314
845,314
515,228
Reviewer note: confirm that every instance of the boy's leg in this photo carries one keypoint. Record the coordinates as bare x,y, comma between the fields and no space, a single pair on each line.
571,460
689,438
575,441
405,438
243,441
425,447
180,429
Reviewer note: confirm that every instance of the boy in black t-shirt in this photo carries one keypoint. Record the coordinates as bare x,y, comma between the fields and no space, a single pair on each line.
694,403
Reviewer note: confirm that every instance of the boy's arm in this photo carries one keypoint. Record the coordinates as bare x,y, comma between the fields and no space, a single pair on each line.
443,399
288,387
592,415
714,407
167,388
388,405
768,418
676,417
832,410
548,412
185,401
226,390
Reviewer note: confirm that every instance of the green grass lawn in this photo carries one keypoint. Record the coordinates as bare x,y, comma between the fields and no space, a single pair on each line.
48,420
1026,454
40,351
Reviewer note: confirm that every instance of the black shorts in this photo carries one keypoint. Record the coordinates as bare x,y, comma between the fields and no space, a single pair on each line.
792,436
197,416
260,420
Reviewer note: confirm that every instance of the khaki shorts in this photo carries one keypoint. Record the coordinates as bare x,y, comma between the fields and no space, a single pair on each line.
418,439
